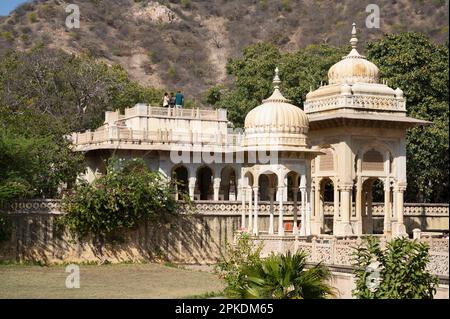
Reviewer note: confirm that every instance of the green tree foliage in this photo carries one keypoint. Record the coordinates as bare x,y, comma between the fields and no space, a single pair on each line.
35,158
254,72
73,90
402,270
419,67
275,277
121,199
46,94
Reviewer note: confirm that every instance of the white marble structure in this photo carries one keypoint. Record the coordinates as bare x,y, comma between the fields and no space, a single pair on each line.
349,138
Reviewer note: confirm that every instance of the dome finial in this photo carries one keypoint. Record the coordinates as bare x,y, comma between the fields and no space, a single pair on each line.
276,79
354,39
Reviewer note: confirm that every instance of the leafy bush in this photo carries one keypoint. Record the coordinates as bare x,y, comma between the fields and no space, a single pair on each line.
275,277
396,272
128,194
237,256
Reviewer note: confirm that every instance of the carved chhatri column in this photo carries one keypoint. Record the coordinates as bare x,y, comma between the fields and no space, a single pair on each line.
255,214
400,229
358,206
243,193
316,211
271,194
303,211
192,181
216,187
387,207
280,213
336,208
250,212
295,226
346,227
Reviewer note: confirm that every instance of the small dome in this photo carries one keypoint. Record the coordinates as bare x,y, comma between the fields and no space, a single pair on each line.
276,114
353,67
285,123
399,93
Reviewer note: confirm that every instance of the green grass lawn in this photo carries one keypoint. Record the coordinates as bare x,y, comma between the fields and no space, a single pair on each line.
107,281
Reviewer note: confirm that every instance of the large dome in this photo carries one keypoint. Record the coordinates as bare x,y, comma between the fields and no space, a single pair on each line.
276,121
353,68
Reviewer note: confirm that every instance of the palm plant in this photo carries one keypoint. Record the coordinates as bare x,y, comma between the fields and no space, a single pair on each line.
284,277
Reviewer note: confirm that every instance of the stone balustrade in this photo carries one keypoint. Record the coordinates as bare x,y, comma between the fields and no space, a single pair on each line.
234,208
359,102
337,251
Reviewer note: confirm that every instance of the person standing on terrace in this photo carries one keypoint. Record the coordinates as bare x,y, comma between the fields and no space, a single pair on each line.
179,100
166,100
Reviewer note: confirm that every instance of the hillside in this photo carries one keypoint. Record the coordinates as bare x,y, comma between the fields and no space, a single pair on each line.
185,43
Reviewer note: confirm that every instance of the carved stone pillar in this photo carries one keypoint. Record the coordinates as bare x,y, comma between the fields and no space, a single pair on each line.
316,227
250,212
216,187
369,210
358,206
346,228
294,194
387,208
191,186
303,211
400,229
271,194
242,192
336,212
280,213
255,214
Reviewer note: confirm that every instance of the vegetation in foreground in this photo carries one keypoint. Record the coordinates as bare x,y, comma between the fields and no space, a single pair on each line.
248,276
120,200
399,271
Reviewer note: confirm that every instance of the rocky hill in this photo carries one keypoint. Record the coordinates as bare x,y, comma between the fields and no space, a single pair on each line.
185,43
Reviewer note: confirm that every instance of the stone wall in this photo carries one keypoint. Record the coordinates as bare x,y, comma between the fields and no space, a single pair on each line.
191,238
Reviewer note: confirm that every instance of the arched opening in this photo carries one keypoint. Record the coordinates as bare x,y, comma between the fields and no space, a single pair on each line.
327,209
228,187
204,183
266,183
180,175
293,182
373,200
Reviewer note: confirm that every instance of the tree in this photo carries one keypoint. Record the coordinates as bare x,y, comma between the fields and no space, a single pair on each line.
419,67
46,94
75,90
396,272
300,71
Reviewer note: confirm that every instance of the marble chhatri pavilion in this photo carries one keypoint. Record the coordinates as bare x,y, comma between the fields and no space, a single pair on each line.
349,137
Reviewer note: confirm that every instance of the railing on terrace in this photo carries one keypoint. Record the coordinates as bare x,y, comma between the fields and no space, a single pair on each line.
121,134
233,208
193,113
363,102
